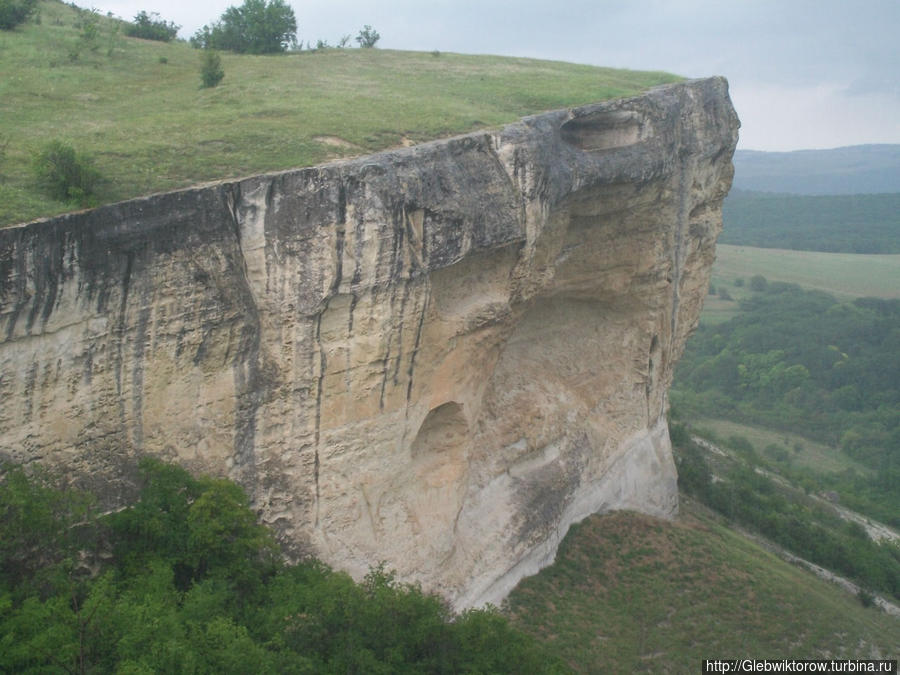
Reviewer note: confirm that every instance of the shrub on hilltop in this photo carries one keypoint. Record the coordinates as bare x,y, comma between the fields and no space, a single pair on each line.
15,12
65,174
152,27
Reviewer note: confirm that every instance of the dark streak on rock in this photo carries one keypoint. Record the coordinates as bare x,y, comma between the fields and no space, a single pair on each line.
342,202
119,331
12,277
412,358
48,262
353,300
397,278
30,379
320,384
387,354
250,384
137,374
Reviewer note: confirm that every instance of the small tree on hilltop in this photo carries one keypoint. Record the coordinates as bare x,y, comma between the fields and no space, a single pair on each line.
256,27
368,36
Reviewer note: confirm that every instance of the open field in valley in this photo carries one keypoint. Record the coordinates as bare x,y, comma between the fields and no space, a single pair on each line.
844,275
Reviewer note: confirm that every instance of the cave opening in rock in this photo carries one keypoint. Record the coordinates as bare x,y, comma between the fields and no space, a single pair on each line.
444,431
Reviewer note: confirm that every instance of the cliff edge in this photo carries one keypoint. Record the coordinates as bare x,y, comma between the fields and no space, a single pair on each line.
438,357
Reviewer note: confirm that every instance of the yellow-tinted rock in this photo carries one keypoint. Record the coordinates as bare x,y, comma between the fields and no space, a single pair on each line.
438,357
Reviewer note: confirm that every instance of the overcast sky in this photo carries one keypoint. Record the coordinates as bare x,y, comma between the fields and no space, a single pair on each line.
803,73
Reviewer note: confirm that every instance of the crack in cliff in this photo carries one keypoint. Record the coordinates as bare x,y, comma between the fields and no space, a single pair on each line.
358,243
247,373
396,267
387,351
681,227
414,239
137,373
320,385
334,288
517,184
394,281
415,351
232,197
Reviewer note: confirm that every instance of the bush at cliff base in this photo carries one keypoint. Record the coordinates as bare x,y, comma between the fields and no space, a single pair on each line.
185,580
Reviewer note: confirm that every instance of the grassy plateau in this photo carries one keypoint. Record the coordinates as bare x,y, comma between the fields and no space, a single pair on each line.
137,107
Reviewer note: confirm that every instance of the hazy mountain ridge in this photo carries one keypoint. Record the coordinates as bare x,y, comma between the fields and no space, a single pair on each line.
855,169
842,200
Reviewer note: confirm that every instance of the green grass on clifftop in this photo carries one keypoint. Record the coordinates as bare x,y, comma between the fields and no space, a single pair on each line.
137,106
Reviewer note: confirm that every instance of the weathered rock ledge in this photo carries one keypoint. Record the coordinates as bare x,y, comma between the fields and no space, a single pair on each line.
438,357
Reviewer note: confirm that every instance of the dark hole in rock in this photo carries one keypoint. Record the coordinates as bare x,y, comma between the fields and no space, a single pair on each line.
603,130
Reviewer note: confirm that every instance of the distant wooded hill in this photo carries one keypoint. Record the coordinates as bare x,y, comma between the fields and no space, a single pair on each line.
860,223
854,169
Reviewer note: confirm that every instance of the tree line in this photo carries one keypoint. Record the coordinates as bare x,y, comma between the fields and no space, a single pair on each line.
865,223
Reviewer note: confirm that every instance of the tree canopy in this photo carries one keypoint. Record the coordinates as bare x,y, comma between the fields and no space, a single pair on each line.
367,37
152,27
14,12
803,362
256,27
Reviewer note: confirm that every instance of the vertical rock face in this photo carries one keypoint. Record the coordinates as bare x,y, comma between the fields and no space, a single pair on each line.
438,357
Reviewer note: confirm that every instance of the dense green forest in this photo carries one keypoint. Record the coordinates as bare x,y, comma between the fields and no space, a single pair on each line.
862,223
801,361
186,581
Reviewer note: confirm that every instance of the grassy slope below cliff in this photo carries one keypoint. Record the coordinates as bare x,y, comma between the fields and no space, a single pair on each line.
137,106
631,593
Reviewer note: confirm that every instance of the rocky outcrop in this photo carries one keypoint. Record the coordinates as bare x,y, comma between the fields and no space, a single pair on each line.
438,357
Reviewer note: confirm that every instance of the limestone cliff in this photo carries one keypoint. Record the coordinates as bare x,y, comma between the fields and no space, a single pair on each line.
438,357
